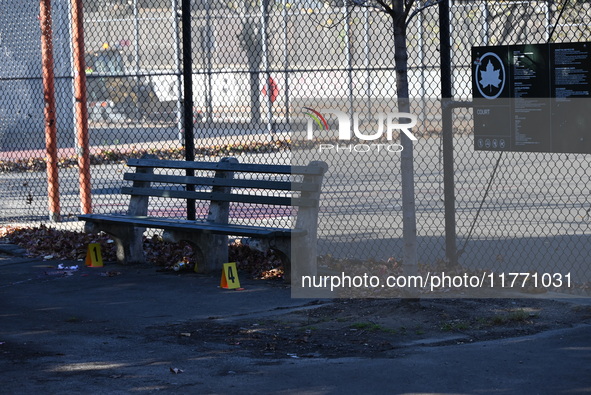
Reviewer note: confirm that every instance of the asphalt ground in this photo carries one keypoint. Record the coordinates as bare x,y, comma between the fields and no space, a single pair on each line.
93,330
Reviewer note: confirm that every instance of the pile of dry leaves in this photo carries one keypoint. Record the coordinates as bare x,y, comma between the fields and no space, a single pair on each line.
50,243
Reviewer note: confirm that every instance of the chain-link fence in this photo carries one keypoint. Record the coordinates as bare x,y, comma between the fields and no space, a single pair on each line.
258,69
518,211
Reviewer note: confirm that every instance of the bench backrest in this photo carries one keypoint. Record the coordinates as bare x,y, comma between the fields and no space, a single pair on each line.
255,184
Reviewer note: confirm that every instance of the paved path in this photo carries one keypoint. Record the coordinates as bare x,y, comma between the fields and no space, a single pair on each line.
88,333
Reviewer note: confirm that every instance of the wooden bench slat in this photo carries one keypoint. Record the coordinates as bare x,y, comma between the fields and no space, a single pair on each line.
235,167
220,197
226,182
209,227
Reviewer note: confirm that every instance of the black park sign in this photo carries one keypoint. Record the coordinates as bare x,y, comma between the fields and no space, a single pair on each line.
532,97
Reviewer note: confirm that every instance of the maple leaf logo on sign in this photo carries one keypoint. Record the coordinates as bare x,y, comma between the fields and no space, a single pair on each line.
492,78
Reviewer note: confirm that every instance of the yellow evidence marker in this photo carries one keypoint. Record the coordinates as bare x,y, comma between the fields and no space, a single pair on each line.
230,276
94,257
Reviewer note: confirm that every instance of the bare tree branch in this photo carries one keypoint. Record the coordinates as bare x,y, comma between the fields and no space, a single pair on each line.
386,8
408,7
428,3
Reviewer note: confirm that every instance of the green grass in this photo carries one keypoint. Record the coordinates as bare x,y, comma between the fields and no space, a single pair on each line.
367,326
515,316
455,325
370,326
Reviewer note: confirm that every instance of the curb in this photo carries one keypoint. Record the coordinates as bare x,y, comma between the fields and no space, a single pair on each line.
12,249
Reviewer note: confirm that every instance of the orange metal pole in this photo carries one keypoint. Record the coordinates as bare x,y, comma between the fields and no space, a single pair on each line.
49,110
80,107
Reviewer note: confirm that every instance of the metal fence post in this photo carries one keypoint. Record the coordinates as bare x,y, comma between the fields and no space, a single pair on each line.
188,98
349,55
447,134
177,71
49,110
80,107
208,45
286,64
264,10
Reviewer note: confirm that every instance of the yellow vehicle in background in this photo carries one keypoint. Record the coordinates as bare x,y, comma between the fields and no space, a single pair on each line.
114,94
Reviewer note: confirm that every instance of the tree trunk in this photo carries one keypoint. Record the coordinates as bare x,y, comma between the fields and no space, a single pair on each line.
255,97
250,38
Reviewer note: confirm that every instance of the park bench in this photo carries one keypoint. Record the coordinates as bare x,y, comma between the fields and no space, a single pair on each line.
222,183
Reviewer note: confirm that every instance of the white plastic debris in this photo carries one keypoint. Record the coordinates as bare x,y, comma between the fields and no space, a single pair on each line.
62,267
